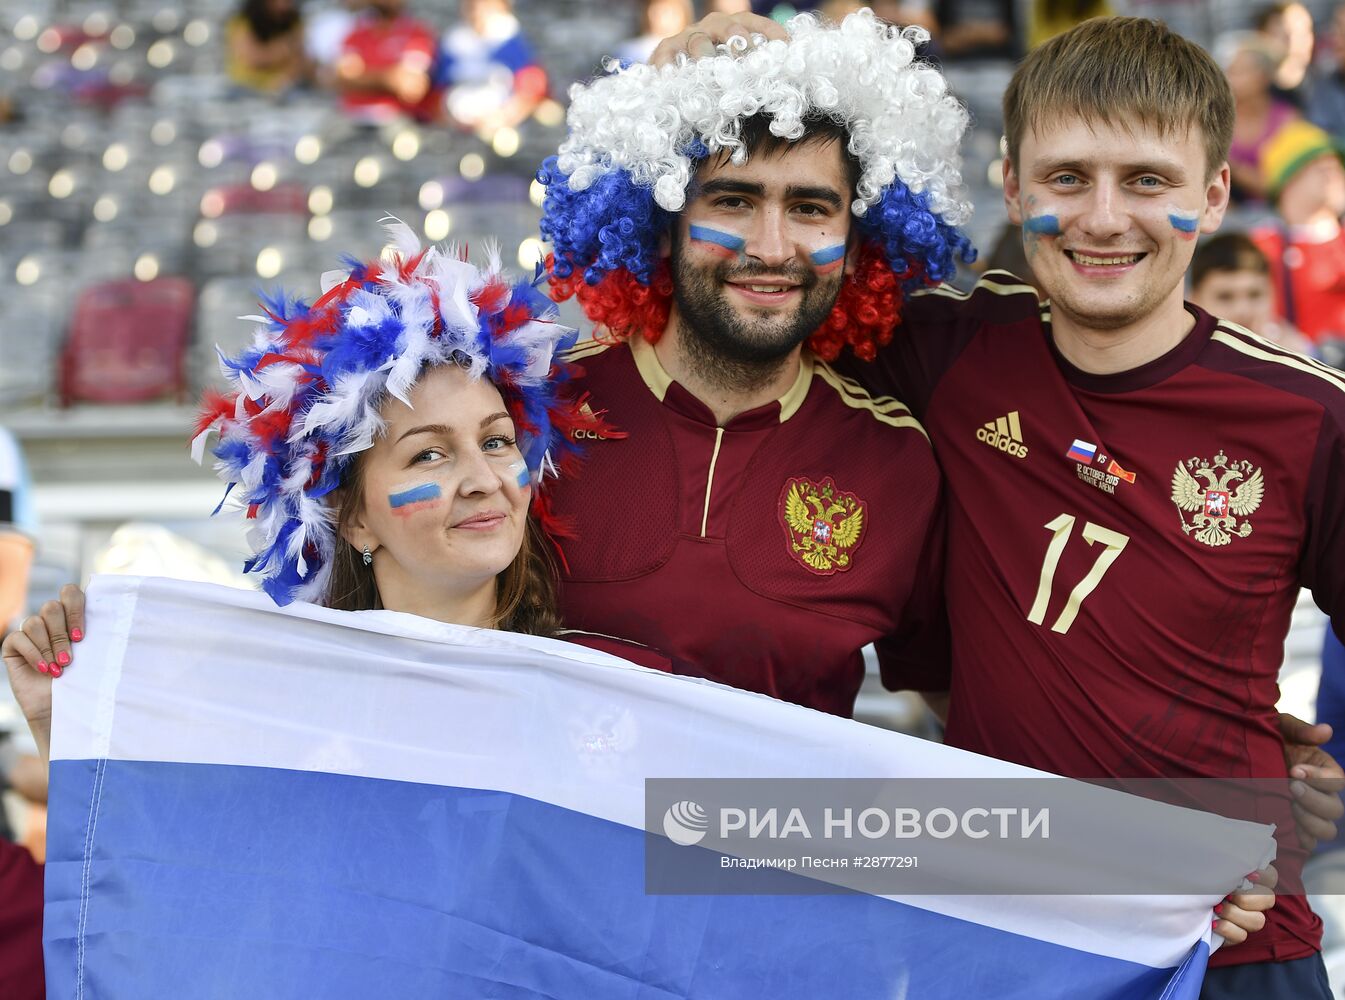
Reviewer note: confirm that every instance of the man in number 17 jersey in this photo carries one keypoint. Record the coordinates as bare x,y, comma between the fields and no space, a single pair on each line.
1137,491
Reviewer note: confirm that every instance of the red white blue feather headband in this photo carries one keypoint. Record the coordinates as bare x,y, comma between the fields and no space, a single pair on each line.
307,393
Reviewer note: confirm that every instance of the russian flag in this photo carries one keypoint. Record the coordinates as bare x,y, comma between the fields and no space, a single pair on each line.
251,801
1082,451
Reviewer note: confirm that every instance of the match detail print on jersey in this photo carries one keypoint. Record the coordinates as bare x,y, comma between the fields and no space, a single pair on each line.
1097,469
823,525
1216,493
1004,434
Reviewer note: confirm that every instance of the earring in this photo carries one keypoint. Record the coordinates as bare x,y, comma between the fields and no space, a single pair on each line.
368,557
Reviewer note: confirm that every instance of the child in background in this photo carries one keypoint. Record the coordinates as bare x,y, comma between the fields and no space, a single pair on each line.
1304,177
1230,278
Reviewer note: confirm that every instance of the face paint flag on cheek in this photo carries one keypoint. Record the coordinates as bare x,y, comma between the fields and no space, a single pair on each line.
1186,223
1042,225
410,499
827,259
521,474
718,242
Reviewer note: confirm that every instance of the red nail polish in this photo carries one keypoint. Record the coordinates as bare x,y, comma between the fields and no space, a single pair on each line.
77,634
55,670
42,666
1219,908
63,658
1254,877
1214,924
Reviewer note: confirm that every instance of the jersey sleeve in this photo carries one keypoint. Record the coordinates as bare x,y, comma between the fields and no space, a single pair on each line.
936,326
918,655
1322,569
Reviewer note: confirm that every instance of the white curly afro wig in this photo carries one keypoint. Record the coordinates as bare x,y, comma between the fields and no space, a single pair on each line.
652,122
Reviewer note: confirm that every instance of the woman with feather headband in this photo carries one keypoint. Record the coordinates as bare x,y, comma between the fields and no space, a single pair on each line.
389,444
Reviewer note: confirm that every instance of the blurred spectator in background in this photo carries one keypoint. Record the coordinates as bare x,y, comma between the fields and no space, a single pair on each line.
1304,176
1288,26
1249,59
977,29
325,32
17,531
490,72
660,19
1331,705
1230,278
266,46
1326,102
384,68
1048,18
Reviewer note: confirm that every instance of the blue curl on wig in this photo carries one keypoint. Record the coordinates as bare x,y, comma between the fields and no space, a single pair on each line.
909,232
612,224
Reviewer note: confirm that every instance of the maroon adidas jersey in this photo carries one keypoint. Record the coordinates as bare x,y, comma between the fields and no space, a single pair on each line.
1124,550
763,554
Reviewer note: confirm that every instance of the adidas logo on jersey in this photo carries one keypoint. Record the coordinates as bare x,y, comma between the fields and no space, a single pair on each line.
584,434
1004,434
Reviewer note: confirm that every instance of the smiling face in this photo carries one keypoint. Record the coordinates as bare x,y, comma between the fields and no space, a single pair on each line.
1110,217
758,254
444,499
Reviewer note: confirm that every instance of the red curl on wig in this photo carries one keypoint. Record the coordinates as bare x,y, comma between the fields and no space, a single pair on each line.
619,304
867,308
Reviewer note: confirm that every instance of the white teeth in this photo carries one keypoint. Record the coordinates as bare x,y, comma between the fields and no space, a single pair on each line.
765,288
1083,258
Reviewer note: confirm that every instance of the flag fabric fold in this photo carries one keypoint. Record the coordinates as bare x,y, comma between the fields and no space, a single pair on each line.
252,801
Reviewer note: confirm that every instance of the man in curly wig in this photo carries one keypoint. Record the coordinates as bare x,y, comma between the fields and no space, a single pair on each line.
732,225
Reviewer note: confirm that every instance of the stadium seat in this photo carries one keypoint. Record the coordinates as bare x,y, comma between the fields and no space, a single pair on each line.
127,342
31,322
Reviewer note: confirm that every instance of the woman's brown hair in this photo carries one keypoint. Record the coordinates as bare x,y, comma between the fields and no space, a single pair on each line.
525,593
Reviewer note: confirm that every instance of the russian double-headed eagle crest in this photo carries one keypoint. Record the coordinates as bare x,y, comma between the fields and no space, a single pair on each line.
824,524
1216,493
